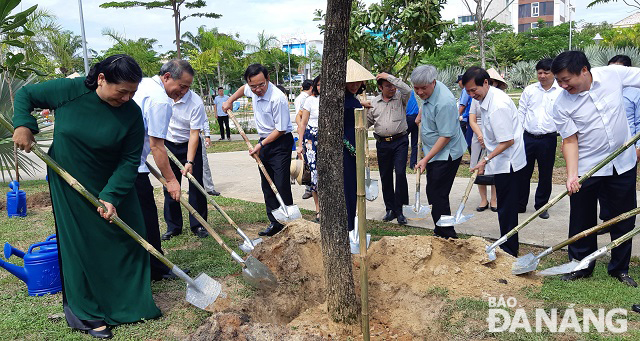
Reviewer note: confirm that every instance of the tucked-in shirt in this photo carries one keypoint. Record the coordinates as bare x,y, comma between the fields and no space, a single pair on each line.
218,102
188,114
536,105
156,109
501,123
440,119
312,105
299,101
598,118
390,118
631,98
465,100
271,111
412,105
205,126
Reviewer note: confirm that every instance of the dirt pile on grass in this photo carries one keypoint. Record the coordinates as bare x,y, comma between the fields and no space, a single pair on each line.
409,279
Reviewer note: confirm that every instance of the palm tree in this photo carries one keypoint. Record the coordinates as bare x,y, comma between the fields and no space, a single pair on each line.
64,47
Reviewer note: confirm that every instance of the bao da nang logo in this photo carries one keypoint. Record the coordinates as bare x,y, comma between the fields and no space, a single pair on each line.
504,318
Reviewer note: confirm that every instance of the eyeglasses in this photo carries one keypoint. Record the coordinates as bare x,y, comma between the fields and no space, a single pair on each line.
261,85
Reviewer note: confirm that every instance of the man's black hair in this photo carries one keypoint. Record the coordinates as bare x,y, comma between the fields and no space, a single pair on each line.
572,61
459,78
255,69
622,59
220,88
307,84
476,74
544,64
381,81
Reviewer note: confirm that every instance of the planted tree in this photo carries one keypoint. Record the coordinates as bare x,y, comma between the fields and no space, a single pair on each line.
172,5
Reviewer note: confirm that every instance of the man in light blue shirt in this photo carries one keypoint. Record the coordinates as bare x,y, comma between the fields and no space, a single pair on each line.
464,105
221,116
442,141
413,109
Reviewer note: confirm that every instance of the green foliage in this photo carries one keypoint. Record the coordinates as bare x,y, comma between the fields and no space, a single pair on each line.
600,55
141,50
522,74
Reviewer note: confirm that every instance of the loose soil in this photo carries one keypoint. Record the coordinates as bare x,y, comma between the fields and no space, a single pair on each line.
34,200
407,276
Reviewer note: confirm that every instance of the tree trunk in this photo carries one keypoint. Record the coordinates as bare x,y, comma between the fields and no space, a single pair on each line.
219,77
176,21
341,298
481,34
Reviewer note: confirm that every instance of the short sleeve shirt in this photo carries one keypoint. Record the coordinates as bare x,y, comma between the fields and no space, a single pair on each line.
188,114
465,100
440,119
271,111
312,105
218,102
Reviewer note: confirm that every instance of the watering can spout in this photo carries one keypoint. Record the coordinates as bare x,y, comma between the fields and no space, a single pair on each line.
17,271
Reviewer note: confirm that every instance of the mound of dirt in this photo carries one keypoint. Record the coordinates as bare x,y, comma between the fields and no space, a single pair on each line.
40,199
405,274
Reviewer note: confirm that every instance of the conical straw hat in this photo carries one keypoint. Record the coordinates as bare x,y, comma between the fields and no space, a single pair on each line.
296,169
494,75
357,73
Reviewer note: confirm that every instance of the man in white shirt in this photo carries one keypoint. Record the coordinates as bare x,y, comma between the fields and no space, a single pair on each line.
207,181
271,113
153,98
540,134
221,115
305,92
502,131
183,140
591,119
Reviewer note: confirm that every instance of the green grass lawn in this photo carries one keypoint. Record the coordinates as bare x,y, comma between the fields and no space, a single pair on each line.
39,318
237,144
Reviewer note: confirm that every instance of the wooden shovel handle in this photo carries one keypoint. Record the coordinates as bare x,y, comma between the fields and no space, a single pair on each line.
255,156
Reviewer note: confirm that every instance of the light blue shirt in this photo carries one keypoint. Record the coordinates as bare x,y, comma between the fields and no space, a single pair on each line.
465,100
156,108
218,102
440,119
631,97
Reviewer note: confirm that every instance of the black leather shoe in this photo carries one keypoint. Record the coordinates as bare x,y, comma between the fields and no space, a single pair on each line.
389,216
544,215
482,208
200,232
626,279
402,220
271,230
572,276
214,193
101,334
445,232
636,308
170,234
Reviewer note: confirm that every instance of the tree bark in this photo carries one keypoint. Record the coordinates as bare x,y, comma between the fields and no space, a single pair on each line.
481,33
342,304
176,21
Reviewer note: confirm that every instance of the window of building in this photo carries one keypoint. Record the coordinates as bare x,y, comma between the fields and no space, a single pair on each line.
466,18
535,9
524,28
546,8
524,11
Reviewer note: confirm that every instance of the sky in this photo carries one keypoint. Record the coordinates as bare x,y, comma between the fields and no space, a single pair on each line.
281,18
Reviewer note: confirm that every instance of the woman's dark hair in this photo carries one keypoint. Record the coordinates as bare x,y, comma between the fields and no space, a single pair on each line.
315,90
572,61
283,89
477,74
544,64
116,69
255,69
622,59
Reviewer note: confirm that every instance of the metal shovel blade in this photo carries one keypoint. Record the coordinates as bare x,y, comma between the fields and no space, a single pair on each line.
204,292
371,189
415,212
285,214
258,274
524,264
560,269
491,254
448,220
248,246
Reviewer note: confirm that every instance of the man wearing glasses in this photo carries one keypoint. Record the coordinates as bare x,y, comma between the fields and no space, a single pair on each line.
271,113
388,117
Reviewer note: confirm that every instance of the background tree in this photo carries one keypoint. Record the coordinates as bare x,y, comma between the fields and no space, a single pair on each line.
481,18
341,297
64,46
174,6
315,61
141,50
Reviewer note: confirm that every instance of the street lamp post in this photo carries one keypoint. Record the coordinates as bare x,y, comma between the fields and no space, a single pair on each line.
84,40
570,23
289,56
598,38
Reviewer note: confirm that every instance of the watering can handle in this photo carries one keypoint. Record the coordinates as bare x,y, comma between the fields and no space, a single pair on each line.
53,236
39,244
14,185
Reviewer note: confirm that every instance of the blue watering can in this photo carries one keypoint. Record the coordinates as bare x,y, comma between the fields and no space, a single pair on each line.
41,271
16,201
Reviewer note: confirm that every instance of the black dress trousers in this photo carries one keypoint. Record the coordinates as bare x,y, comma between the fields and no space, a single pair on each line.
440,176
540,148
508,186
392,158
276,157
150,215
413,132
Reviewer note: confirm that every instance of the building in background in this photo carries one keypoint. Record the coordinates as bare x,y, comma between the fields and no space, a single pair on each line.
301,46
629,21
495,9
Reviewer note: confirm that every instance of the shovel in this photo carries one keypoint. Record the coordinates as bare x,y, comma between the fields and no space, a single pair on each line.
459,218
247,245
417,211
529,262
201,292
284,213
253,271
491,249
370,185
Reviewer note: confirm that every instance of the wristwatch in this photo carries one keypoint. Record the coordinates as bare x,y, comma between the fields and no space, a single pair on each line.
189,161
486,159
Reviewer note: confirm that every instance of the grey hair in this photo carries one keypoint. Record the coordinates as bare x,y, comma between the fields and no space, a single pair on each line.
423,74
176,67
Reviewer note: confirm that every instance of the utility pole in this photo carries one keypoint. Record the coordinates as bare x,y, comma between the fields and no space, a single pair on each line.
84,40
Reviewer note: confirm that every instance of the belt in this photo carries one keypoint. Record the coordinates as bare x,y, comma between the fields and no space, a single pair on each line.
540,136
389,138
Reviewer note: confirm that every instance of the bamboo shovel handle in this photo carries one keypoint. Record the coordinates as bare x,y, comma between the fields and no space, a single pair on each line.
621,217
582,179
624,238
91,198
472,180
255,156
195,182
192,211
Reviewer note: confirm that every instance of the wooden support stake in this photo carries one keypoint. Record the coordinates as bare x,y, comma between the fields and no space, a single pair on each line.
361,140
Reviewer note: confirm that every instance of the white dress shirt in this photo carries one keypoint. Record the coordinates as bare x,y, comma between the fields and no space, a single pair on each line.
270,111
598,118
188,114
500,123
156,112
299,101
536,106
312,105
